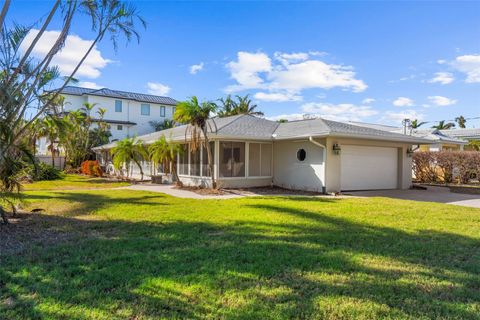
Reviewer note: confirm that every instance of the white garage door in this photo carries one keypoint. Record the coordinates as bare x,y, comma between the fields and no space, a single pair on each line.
368,168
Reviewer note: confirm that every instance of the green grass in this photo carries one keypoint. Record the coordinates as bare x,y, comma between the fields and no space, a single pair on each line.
73,181
141,255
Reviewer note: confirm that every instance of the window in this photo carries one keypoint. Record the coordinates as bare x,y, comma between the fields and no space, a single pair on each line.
162,111
174,109
183,160
232,159
119,127
301,155
118,105
145,109
195,162
205,168
260,160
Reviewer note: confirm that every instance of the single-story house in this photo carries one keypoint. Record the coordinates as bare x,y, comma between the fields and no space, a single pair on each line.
315,154
466,134
440,140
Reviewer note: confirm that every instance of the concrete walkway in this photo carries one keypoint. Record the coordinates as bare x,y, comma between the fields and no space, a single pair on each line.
432,194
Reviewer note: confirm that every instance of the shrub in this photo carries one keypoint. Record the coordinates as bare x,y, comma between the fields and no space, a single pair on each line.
91,168
446,166
45,172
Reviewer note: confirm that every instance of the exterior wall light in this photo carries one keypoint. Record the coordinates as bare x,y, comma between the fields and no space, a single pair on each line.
410,152
336,148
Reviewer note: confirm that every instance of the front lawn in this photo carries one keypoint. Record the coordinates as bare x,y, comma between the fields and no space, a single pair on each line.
125,254
75,181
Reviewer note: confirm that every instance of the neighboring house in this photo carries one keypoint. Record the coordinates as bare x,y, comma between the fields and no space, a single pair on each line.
316,154
467,134
441,139
127,113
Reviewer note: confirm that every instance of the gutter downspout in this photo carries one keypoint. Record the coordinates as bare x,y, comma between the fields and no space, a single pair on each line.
318,144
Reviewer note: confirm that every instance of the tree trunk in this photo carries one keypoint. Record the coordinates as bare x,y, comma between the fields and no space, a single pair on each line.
53,155
209,156
140,167
175,175
3,215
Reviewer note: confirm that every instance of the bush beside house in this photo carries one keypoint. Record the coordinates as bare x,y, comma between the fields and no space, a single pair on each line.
446,166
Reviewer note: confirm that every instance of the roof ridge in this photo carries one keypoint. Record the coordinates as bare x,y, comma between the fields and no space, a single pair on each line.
238,116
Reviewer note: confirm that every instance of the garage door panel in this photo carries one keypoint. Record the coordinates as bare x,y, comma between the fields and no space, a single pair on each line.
368,168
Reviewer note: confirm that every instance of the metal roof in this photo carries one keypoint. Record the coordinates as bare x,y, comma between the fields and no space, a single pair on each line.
249,127
105,92
472,133
436,135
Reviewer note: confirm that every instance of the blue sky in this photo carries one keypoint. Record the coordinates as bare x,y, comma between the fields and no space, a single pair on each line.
363,61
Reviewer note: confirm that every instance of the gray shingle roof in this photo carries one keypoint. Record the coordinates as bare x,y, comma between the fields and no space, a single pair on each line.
435,135
250,127
105,92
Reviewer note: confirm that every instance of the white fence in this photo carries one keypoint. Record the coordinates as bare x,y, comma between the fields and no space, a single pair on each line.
58,161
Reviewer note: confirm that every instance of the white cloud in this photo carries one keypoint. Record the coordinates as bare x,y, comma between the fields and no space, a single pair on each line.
339,112
68,58
194,69
89,84
276,97
399,116
368,101
441,101
403,102
442,77
289,73
246,70
470,65
441,61
158,88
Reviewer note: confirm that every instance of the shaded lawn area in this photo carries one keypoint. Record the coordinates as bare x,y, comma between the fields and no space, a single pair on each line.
74,181
140,255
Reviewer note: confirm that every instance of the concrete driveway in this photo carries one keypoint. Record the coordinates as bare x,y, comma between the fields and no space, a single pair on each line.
432,194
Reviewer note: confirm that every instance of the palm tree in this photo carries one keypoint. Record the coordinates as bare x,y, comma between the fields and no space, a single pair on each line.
415,124
461,121
227,106
52,127
126,151
165,152
162,125
245,106
444,126
196,116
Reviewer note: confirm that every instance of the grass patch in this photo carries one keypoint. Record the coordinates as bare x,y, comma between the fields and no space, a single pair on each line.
74,181
141,255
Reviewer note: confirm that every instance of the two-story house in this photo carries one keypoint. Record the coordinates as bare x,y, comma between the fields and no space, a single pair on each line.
128,113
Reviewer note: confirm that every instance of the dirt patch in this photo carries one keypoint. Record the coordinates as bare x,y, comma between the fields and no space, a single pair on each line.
28,229
269,191
204,191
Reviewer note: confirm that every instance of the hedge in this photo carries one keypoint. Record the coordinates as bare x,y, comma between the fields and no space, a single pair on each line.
446,166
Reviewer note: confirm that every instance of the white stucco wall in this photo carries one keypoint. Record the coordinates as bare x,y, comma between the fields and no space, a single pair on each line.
291,173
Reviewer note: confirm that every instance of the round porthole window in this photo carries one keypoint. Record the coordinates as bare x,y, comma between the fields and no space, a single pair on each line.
301,154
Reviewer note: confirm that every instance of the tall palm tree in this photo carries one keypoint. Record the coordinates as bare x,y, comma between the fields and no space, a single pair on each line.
415,124
444,126
127,151
460,120
165,152
196,115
